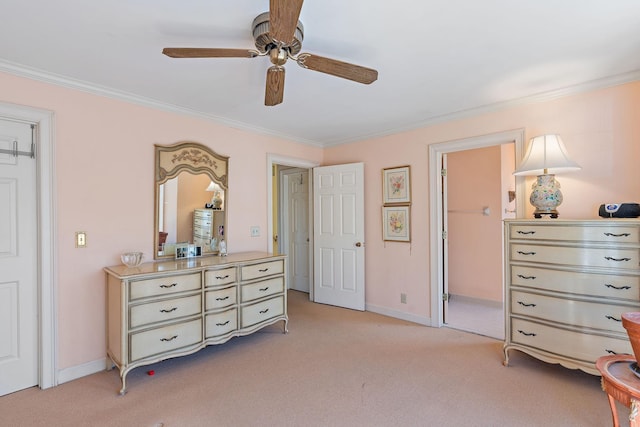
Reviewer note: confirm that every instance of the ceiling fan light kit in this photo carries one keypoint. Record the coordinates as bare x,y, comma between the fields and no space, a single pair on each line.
279,34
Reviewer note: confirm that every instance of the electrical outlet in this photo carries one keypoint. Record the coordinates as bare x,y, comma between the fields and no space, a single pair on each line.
403,298
255,231
81,239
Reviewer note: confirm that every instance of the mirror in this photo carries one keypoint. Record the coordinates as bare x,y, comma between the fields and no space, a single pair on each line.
191,190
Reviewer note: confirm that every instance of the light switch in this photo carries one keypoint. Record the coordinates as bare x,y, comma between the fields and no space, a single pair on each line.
81,239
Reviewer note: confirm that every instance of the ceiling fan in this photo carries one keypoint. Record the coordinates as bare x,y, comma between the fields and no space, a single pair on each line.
279,34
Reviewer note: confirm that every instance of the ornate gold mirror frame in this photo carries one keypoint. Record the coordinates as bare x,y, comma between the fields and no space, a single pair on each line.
187,176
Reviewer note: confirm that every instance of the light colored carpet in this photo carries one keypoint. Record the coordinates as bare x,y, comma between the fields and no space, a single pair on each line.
476,315
336,367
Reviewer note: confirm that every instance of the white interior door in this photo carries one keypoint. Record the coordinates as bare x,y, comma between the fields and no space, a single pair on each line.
18,261
338,195
295,233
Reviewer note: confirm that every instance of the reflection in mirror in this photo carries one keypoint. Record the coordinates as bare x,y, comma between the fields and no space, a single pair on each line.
191,189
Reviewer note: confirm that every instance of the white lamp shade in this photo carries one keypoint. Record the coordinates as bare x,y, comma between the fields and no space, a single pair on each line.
213,187
546,154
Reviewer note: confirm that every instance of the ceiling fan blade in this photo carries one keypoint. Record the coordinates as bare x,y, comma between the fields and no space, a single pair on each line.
195,52
283,17
337,68
274,91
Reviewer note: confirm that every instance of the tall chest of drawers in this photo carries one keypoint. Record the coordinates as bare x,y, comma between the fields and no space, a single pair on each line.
169,309
567,283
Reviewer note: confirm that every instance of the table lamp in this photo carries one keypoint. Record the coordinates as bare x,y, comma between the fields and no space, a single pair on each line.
546,156
216,200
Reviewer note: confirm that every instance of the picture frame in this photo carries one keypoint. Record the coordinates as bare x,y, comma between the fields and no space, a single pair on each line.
396,223
185,250
396,185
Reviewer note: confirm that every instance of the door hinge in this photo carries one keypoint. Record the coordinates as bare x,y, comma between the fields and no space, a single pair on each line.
443,172
445,297
444,234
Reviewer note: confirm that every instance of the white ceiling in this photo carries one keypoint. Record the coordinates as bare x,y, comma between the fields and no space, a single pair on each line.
437,59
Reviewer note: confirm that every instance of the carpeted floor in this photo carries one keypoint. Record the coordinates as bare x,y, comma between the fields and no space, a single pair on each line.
336,367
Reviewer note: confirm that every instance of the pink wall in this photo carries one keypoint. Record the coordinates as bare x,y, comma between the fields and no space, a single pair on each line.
104,185
475,240
601,130
104,160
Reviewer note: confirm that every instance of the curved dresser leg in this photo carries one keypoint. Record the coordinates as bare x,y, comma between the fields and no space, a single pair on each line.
284,326
123,381
505,362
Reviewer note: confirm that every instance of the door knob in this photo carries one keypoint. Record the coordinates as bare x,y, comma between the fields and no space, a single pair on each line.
358,244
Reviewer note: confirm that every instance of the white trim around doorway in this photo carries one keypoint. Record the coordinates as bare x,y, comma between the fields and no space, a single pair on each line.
436,152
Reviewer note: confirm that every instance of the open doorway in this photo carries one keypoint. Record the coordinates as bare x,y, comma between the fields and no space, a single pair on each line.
479,194
439,207
289,195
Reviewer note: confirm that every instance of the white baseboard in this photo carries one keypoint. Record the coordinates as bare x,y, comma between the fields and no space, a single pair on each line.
79,371
398,315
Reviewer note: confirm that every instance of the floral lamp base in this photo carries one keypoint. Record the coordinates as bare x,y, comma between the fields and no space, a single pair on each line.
546,196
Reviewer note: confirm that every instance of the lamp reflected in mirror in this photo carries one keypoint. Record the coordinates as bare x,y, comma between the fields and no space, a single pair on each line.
217,199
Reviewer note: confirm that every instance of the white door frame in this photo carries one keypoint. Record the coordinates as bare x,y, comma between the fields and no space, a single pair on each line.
46,282
436,204
276,159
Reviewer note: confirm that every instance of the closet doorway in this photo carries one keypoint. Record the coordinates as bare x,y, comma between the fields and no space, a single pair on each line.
468,249
477,189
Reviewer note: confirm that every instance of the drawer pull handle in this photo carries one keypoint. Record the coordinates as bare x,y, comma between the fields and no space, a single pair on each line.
527,334
526,277
264,311
610,351
222,324
169,286
169,339
620,288
609,258
222,277
526,253
525,232
168,311
222,299
263,289
613,318
524,304
264,271
617,235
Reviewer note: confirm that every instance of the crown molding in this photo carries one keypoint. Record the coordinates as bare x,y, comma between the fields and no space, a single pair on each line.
95,89
51,78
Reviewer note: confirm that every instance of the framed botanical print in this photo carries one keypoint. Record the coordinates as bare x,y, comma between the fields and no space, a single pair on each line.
396,185
396,223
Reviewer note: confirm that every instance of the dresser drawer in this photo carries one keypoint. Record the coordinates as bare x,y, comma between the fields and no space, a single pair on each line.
261,311
219,277
144,314
220,298
164,339
600,285
578,345
164,286
262,289
604,233
219,324
594,315
628,259
264,269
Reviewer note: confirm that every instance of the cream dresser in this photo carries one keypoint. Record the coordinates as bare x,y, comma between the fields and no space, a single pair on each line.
567,284
168,309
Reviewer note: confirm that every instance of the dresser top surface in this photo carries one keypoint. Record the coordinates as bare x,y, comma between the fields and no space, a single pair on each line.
589,221
192,264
